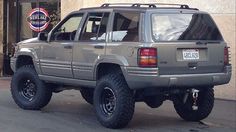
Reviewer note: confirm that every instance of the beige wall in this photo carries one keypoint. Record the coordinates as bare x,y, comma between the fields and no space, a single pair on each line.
1,36
223,12
227,25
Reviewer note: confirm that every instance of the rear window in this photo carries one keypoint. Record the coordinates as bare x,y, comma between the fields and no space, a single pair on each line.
173,27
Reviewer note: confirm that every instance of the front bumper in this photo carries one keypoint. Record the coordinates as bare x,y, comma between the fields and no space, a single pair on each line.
138,78
13,64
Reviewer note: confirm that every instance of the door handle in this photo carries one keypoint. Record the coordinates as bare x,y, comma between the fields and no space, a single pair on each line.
68,46
99,47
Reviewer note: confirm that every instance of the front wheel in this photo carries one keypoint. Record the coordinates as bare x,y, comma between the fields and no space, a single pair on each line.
113,101
205,103
28,91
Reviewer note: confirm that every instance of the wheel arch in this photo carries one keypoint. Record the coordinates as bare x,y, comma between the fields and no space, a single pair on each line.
23,60
26,59
104,68
108,62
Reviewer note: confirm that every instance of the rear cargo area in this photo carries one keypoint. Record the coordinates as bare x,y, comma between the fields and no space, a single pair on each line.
187,43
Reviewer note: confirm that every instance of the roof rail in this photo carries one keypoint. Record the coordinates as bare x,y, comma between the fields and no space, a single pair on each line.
150,5
127,4
182,6
139,5
116,4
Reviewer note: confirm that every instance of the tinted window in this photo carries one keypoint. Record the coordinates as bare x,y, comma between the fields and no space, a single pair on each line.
68,29
126,27
172,27
95,27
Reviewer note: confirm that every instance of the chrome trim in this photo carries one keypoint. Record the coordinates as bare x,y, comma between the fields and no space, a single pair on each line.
56,65
193,75
51,67
82,67
142,71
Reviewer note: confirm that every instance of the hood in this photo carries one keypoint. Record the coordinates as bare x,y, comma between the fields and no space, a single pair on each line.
32,40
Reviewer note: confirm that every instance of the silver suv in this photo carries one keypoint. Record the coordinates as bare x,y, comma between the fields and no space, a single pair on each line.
119,54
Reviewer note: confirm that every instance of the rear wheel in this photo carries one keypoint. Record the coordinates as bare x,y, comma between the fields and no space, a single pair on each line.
113,101
87,94
154,101
28,91
205,103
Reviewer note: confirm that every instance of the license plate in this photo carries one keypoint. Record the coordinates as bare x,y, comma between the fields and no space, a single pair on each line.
190,54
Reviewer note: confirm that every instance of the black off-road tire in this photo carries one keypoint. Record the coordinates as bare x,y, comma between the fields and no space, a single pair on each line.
123,99
205,105
87,94
42,94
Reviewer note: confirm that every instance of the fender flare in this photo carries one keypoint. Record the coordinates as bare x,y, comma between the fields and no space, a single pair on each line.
121,61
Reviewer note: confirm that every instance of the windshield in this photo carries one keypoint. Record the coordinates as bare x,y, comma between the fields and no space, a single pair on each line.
173,27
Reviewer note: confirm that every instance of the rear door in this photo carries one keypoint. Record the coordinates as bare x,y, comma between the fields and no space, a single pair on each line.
91,45
187,44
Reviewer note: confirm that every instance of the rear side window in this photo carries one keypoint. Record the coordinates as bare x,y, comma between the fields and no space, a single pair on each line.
173,27
95,27
126,27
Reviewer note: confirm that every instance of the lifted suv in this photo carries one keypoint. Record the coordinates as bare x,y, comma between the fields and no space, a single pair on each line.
119,54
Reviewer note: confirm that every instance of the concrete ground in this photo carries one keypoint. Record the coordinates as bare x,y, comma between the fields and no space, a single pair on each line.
68,112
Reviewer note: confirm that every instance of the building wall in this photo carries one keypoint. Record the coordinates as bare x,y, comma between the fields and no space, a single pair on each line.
223,12
1,36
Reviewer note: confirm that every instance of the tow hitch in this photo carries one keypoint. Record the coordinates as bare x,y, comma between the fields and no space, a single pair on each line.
194,93
195,97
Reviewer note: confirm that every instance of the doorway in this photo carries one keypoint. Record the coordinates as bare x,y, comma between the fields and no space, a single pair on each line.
24,20
36,16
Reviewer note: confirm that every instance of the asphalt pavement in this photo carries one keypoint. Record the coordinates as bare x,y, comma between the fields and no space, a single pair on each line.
68,112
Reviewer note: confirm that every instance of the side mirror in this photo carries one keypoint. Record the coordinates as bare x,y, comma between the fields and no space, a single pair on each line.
43,36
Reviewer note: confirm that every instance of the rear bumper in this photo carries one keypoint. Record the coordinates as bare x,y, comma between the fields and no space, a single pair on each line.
138,78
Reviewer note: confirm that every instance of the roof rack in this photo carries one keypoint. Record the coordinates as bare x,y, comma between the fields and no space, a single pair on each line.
139,5
151,5
116,4
182,6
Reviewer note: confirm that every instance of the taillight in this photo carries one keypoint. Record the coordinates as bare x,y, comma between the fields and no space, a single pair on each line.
147,57
226,55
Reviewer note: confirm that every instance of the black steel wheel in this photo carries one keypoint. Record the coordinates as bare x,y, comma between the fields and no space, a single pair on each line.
27,88
113,101
108,101
205,103
28,91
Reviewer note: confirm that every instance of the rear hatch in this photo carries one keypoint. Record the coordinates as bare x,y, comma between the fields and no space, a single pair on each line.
187,44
